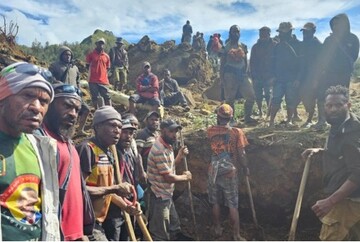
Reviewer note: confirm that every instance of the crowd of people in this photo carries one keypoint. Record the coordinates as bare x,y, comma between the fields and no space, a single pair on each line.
283,66
52,189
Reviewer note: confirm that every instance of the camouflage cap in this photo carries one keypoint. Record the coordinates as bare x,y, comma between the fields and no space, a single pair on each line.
309,26
285,27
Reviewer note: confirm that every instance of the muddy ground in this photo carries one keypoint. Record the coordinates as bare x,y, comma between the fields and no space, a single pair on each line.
276,169
274,154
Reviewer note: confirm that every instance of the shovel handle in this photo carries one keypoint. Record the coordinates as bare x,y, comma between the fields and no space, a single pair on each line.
299,199
189,190
251,201
143,227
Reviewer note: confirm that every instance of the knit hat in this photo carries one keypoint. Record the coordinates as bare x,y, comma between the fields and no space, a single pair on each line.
20,75
66,90
225,111
105,113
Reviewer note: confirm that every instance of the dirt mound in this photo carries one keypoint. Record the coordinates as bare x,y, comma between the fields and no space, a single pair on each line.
188,67
10,53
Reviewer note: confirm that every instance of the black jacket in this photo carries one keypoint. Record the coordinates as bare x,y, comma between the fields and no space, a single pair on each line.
341,159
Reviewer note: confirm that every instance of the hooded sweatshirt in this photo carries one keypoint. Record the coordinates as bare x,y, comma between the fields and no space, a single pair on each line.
67,73
341,160
340,50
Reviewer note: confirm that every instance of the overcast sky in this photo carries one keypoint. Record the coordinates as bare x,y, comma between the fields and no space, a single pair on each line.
57,21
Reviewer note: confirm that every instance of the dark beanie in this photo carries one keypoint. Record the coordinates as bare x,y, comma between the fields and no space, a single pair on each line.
105,113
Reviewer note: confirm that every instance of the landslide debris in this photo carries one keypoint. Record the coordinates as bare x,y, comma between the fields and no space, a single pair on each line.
274,155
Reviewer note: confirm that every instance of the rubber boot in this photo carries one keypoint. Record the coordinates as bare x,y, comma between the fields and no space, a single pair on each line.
248,106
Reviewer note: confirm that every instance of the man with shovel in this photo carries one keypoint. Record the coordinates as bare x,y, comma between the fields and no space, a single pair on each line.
164,223
228,154
98,167
339,211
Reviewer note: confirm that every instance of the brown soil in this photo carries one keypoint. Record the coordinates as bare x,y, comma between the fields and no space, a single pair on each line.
274,154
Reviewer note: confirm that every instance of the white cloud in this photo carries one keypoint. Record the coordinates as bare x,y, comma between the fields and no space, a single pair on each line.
74,20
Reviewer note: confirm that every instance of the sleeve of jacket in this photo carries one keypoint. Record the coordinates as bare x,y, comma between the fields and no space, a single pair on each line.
351,151
155,82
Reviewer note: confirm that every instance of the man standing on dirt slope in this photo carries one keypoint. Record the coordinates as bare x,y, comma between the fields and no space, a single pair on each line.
339,212
233,74
170,92
164,223
147,89
228,155
309,73
260,67
98,167
59,123
339,53
119,64
99,63
146,137
29,186
66,71
286,70
187,33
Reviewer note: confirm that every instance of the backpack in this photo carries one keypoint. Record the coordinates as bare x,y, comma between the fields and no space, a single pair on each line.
221,164
216,45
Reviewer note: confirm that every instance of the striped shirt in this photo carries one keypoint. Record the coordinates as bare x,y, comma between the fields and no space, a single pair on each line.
161,162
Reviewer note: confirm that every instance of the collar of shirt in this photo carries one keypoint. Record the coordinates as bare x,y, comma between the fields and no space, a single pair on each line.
168,146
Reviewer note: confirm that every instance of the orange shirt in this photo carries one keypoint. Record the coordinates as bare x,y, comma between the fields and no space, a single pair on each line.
99,64
217,136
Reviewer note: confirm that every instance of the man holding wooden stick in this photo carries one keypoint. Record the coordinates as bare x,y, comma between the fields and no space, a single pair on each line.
98,166
164,221
339,211
228,154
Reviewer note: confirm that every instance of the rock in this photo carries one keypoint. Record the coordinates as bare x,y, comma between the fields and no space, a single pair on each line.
205,111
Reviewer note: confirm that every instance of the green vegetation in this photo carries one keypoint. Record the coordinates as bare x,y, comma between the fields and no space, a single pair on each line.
48,53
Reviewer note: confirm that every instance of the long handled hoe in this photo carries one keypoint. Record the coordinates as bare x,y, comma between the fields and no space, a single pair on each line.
189,191
299,199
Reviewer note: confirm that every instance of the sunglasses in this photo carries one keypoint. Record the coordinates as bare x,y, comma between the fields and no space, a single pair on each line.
67,89
30,69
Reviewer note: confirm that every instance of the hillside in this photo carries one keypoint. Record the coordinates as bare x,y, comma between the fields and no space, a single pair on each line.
274,154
